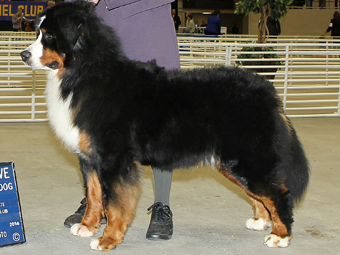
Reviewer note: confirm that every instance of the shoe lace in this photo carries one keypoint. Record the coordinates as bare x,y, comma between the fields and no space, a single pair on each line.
161,212
82,208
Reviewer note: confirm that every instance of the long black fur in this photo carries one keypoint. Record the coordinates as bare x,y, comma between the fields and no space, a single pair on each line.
140,112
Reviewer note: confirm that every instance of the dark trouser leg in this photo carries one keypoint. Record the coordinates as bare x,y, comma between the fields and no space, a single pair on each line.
162,182
161,226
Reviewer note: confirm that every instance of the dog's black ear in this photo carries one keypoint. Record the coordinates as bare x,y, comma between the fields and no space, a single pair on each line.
68,30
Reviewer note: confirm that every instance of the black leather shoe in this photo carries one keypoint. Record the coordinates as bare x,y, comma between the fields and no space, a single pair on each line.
78,215
161,226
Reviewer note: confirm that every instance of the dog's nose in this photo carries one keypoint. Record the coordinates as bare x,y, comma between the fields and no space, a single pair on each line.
25,55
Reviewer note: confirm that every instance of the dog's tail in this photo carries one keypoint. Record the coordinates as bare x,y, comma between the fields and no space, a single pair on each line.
297,170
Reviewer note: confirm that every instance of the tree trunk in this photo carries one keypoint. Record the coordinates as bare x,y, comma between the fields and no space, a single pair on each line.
263,29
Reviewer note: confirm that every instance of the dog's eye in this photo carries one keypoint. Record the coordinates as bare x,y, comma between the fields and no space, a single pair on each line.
48,36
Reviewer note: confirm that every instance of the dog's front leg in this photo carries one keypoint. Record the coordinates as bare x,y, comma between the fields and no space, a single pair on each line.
94,210
119,213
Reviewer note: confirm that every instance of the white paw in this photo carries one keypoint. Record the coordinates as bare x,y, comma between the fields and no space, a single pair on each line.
276,241
80,230
94,244
259,224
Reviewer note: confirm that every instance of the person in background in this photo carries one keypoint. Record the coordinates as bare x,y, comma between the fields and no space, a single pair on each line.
190,25
131,20
309,3
273,26
235,29
50,3
176,18
203,24
334,26
214,24
197,27
322,3
17,20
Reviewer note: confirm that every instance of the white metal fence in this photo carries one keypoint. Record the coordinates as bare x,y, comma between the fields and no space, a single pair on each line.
307,76
21,89
305,72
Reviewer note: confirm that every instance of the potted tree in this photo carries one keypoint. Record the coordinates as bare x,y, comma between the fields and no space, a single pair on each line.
270,60
274,8
267,8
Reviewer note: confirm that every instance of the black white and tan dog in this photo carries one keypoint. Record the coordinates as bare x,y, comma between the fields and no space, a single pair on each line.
118,114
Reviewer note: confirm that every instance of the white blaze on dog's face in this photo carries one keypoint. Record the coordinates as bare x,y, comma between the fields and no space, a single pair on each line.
43,54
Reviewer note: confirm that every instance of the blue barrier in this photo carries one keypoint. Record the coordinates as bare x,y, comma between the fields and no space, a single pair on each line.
11,224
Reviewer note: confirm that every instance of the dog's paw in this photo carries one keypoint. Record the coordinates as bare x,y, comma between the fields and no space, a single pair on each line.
273,240
95,244
81,230
101,244
259,224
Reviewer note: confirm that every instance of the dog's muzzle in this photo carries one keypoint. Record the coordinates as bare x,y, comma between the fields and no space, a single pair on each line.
25,56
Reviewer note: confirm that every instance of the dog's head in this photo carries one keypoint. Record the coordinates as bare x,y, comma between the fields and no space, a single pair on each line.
59,34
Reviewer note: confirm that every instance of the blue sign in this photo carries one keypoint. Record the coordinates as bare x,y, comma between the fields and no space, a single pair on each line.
11,225
29,9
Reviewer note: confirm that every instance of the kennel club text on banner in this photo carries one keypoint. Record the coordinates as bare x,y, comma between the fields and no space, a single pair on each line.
11,225
29,9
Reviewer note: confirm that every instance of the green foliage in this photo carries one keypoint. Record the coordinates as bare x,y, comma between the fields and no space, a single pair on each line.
247,56
277,8
274,8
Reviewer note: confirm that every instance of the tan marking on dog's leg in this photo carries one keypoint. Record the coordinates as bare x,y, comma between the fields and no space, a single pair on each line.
279,237
261,212
262,219
231,178
279,228
94,210
119,216
84,143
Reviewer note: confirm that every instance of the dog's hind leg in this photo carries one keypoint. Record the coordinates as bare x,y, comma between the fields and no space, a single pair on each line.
262,219
277,207
280,207
277,204
119,211
94,210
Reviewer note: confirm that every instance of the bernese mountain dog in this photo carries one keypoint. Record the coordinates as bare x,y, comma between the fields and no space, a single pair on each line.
117,114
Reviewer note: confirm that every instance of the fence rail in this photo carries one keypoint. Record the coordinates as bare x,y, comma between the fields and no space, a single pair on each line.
305,72
21,89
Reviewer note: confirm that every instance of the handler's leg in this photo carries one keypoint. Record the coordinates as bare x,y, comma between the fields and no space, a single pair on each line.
161,226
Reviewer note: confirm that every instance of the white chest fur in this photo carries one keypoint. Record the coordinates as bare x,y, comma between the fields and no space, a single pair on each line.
59,113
